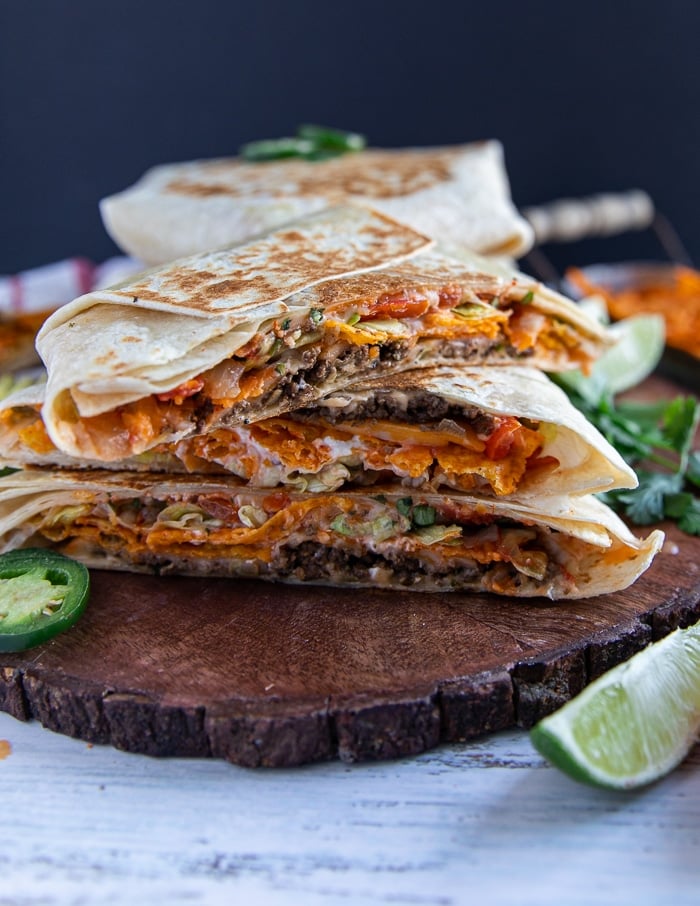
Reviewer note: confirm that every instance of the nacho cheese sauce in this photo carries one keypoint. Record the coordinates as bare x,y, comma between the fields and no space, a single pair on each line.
421,543
293,360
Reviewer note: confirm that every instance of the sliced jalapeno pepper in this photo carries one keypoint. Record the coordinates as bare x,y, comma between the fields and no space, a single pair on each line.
41,594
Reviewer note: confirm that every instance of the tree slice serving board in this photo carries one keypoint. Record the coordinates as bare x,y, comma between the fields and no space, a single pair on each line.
264,674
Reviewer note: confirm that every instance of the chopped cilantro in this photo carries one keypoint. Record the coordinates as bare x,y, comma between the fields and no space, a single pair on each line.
527,298
424,515
693,472
404,506
420,514
316,315
311,142
658,435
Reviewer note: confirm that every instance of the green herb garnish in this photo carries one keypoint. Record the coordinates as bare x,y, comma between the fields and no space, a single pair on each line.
310,143
658,435
316,315
527,298
404,506
327,139
424,515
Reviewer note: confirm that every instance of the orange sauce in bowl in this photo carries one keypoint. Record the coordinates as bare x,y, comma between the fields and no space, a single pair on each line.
676,299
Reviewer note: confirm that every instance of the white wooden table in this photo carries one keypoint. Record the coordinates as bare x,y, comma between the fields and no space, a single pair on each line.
483,823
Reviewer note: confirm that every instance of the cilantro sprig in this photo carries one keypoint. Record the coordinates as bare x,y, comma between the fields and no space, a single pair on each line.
311,142
657,440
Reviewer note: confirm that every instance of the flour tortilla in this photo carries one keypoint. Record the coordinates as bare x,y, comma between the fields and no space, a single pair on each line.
154,333
556,547
335,442
457,195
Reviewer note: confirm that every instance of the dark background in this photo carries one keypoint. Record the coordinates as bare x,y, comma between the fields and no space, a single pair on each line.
585,97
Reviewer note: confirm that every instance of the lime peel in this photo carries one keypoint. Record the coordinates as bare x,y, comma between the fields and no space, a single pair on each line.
635,723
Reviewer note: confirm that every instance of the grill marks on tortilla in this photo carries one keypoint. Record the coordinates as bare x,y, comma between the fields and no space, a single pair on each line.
326,246
370,174
419,276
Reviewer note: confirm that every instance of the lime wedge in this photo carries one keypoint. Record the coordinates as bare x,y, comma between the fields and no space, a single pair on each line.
635,723
639,345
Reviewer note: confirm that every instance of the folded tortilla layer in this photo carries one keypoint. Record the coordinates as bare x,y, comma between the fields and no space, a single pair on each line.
557,547
491,430
453,194
235,336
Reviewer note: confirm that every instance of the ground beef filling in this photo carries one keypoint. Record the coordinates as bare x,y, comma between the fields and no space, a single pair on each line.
416,407
316,371
314,563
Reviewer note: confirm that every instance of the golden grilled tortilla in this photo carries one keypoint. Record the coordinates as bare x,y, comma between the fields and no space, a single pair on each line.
458,195
235,336
495,431
558,547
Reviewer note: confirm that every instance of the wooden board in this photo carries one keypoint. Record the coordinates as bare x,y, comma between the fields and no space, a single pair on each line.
279,675
270,675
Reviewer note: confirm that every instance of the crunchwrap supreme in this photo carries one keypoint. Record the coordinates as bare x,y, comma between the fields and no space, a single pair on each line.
488,430
236,336
202,525
457,195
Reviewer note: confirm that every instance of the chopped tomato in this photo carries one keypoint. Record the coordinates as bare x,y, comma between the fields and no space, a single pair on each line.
450,295
220,507
181,392
499,443
405,304
276,501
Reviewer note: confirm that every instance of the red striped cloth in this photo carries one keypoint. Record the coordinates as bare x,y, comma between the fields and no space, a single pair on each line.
47,288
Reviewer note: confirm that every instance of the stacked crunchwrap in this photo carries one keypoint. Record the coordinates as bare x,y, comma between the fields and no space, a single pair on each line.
338,402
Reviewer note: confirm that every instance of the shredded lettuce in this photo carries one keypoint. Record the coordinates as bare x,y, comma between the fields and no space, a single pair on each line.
432,534
65,515
252,516
179,515
472,312
380,529
390,325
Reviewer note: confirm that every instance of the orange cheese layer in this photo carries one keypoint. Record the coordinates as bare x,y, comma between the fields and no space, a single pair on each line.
307,519
410,451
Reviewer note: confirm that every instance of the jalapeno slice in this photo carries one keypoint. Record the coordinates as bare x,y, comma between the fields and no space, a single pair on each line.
42,593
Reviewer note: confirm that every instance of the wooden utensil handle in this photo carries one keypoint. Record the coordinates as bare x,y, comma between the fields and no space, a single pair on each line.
571,219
